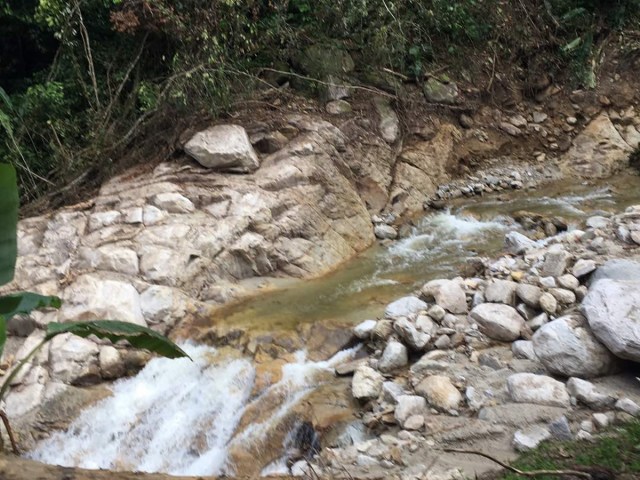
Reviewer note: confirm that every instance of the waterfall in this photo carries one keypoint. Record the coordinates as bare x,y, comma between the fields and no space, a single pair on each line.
177,416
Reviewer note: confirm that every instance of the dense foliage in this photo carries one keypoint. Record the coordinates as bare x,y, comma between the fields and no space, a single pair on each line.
81,79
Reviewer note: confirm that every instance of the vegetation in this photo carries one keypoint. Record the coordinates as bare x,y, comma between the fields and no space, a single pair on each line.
84,81
614,452
26,302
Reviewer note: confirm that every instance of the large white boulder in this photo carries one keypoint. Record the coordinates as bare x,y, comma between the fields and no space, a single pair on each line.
498,321
612,308
223,147
567,347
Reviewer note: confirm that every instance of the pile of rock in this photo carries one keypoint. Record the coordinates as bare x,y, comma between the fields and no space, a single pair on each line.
484,348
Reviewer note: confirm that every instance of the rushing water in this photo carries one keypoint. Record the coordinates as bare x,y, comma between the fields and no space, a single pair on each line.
182,417
179,416
438,244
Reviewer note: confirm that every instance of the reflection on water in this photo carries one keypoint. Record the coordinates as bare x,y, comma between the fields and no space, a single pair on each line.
437,245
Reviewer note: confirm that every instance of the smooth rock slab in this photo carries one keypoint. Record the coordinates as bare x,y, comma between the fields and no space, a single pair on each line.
612,308
567,347
498,321
538,389
223,147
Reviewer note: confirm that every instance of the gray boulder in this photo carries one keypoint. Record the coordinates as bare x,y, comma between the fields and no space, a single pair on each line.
498,321
394,356
612,308
447,293
567,347
405,307
223,147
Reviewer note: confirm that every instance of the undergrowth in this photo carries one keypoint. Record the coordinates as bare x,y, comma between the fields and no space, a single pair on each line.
617,450
83,81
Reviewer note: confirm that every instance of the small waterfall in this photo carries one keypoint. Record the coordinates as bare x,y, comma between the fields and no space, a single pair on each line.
177,416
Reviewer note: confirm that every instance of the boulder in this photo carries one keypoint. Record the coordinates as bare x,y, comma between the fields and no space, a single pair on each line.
501,291
389,125
447,293
322,60
410,335
440,92
393,357
409,406
627,405
439,392
363,330
583,267
366,383
567,347
517,243
612,308
555,263
548,303
223,147
405,307
524,349
385,232
498,321
529,294
538,389
586,393
618,269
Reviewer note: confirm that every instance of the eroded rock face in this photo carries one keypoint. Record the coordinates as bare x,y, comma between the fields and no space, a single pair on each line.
567,347
598,151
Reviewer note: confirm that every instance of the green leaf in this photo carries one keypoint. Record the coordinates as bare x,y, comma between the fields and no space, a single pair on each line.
8,222
114,330
26,302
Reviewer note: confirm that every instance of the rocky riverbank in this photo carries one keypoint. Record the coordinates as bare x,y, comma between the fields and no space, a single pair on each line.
248,206
540,344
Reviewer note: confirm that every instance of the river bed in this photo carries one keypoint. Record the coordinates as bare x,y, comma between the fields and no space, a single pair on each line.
180,417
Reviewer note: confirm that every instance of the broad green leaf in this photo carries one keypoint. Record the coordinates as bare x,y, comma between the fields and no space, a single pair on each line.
114,330
26,302
8,222
21,303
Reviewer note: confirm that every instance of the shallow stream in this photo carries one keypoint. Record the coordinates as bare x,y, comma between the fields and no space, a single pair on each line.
183,417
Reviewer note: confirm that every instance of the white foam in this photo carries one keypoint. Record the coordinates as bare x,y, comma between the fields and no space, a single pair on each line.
177,416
